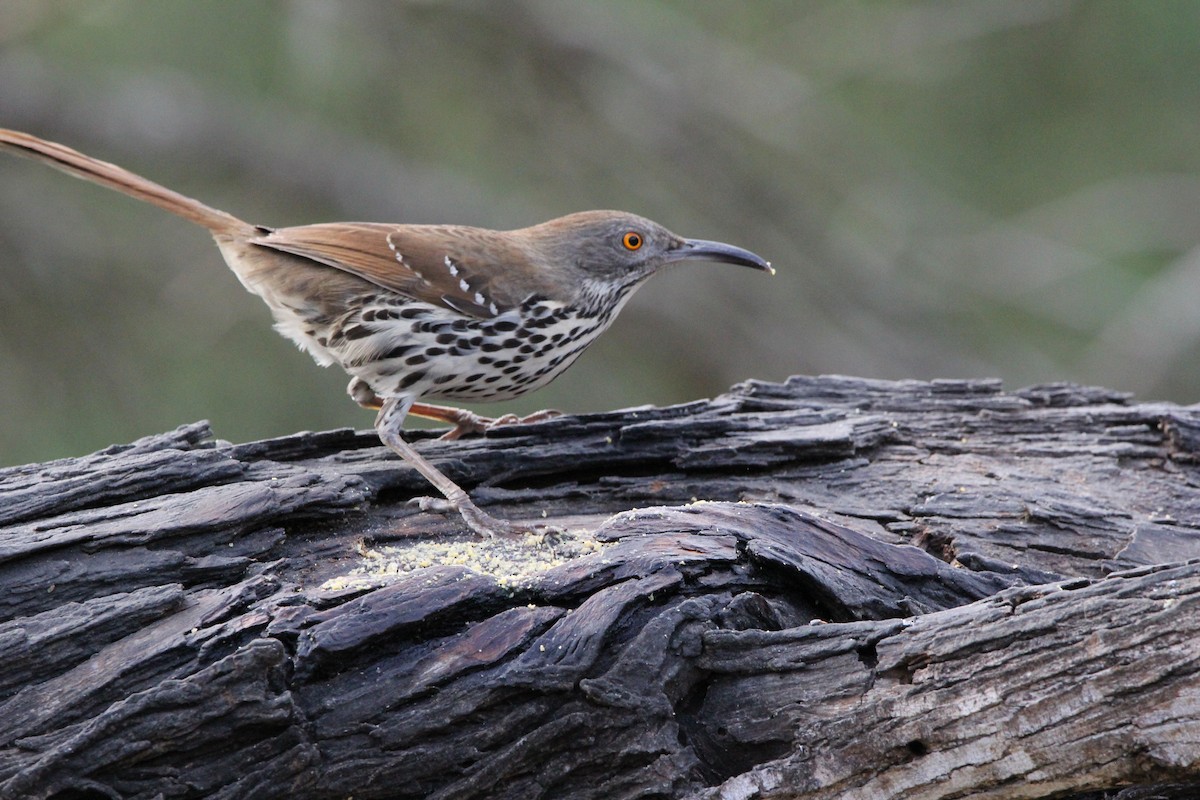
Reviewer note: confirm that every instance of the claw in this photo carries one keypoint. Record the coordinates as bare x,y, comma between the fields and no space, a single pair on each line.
485,525
468,422
433,505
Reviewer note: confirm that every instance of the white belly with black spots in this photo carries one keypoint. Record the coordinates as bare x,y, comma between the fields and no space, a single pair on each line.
406,347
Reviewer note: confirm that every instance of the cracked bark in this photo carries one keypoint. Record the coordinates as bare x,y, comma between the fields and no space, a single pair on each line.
892,589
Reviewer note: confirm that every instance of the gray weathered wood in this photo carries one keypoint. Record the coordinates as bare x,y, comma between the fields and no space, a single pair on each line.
890,589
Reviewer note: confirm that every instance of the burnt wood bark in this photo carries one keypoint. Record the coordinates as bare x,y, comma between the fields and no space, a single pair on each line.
829,587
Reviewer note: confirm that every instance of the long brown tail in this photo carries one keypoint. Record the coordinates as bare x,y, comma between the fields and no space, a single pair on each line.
124,181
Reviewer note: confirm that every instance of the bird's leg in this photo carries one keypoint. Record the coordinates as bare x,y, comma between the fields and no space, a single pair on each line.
464,421
387,425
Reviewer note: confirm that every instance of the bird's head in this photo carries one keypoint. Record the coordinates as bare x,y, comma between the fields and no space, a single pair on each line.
622,249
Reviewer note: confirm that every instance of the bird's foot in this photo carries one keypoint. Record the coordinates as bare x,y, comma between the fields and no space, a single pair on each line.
468,422
484,524
387,425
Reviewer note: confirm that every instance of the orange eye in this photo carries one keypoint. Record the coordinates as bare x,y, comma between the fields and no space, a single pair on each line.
632,240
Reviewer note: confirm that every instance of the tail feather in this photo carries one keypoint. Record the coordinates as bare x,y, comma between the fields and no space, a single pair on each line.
122,180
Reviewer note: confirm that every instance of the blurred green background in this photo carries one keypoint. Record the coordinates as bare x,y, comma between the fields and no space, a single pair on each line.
948,189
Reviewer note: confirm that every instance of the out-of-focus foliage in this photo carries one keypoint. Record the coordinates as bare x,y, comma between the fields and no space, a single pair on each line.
948,189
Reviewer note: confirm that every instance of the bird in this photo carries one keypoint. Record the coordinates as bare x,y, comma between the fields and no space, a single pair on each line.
429,312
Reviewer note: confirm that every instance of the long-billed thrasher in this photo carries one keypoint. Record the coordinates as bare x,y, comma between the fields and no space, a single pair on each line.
429,311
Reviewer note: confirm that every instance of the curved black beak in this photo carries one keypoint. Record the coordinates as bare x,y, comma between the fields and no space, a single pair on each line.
718,251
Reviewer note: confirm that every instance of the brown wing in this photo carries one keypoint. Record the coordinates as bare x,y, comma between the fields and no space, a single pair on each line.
432,263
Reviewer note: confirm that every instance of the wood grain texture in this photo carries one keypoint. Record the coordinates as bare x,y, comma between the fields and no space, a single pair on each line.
830,587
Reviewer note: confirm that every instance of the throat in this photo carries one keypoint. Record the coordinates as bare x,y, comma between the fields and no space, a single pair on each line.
604,299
